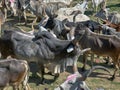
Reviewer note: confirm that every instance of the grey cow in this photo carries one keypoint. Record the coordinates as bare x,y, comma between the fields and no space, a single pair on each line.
42,49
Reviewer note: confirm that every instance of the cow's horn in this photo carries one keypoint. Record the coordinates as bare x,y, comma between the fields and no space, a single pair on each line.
66,27
87,73
85,50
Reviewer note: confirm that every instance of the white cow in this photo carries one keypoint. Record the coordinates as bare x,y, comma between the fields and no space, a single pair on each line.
78,18
67,11
64,1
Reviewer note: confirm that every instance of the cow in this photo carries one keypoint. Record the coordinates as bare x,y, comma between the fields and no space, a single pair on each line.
19,8
111,19
61,27
77,81
14,72
109,31
103,45
73,18
5,6
112,25
64,1
41,9
42,49
81,7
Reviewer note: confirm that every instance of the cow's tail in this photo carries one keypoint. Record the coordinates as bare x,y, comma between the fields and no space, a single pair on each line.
26,76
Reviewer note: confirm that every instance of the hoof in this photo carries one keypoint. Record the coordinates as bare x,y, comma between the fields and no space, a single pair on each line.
56,76
83,69
43,81
34,75
112,78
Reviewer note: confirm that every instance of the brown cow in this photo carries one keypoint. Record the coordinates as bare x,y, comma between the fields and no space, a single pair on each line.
103,45
115,26
14,72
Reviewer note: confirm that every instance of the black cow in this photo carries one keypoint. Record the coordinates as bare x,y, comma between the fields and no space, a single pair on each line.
61,28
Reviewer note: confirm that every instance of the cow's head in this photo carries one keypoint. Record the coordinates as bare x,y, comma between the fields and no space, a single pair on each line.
107,30
103,14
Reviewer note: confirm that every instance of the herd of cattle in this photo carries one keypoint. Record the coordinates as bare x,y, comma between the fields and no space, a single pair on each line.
64,33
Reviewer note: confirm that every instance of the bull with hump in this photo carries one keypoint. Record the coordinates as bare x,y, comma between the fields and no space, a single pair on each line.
42,48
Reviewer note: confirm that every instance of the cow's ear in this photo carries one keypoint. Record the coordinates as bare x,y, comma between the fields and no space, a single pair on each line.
55,16
65,20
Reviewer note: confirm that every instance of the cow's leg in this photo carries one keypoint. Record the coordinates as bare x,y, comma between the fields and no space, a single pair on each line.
92,59
15,87
75,69
25,17
0,28
34,21
84,62
42,73
5,10
19,15
114,75
116,63
56,76
96,8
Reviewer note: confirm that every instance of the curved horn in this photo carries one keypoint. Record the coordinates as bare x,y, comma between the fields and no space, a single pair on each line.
85,50
21,29
87,73
42,21
66,27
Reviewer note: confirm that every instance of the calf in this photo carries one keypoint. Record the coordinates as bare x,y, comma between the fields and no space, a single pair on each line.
14,72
